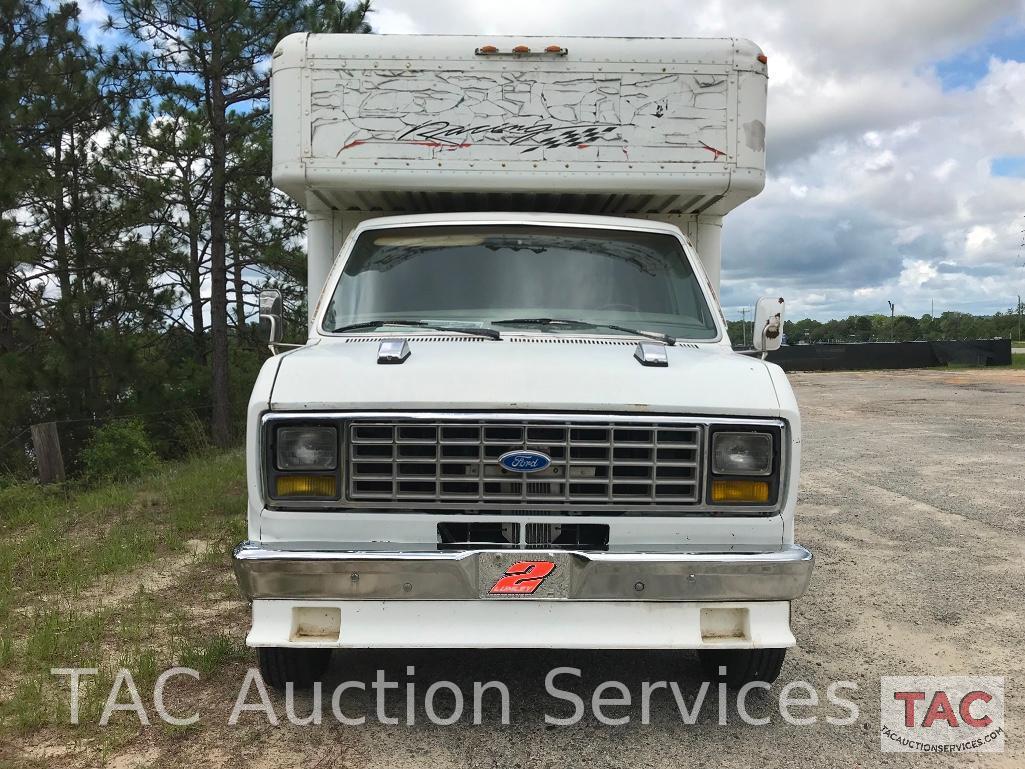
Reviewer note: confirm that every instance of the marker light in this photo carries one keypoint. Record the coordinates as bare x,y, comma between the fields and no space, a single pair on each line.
725,492
306,486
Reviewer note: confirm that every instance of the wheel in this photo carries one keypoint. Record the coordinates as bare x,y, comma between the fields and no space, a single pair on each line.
742,665
300,666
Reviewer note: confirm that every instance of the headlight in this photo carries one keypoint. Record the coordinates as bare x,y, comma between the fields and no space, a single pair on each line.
307,448
741,453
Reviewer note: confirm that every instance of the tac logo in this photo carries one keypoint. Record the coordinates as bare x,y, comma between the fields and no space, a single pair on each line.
942,714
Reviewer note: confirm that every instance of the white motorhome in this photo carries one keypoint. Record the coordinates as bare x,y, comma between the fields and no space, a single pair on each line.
518,420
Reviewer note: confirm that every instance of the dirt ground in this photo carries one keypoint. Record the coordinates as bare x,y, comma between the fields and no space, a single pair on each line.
913,501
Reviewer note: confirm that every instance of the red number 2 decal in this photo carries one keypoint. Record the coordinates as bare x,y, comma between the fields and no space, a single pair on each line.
524,577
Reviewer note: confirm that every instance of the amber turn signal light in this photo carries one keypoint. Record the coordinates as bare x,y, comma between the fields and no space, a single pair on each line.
306,486
740,491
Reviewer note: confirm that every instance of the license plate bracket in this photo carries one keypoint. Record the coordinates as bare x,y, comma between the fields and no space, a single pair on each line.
530,574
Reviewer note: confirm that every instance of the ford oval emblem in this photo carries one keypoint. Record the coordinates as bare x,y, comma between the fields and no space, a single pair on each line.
524,461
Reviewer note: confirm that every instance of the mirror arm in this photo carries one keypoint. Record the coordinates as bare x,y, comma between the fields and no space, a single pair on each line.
273,333
273,346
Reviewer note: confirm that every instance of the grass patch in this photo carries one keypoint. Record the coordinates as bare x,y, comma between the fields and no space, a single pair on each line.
1017,362
54,542
147,635
210,654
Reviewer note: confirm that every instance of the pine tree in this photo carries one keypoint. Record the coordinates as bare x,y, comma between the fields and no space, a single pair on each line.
88,238
29,35
211,60
339,16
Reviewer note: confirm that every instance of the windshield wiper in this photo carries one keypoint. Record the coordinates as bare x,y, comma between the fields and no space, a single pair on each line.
488,333
664,338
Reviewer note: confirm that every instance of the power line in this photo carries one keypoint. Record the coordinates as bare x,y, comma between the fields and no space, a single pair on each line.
76,420
15,438
129,416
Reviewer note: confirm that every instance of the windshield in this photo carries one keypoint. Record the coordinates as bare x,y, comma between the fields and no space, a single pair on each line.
481,274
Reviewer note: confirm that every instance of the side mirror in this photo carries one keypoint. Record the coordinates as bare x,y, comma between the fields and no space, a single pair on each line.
271,325
768,327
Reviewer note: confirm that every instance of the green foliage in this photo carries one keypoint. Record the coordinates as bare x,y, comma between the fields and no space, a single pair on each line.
59,551
137,217
338,16
118,451
902,328
50,540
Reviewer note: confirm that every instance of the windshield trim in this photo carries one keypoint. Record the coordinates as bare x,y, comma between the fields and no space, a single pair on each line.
633,225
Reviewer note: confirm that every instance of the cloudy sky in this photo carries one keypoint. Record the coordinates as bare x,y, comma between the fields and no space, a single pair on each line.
896,141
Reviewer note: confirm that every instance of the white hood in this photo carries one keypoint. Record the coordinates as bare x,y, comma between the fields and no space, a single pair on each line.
461,374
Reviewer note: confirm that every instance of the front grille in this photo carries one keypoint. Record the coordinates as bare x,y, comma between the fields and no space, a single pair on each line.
593,463
475,535
497,535
567,536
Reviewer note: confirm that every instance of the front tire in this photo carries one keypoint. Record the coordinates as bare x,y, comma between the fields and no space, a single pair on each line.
303,667
742,665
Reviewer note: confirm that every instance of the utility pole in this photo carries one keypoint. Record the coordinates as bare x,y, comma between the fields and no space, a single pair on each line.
891,319
743,324
1019,317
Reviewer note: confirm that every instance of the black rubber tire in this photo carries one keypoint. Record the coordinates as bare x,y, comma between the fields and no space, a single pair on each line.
742,665
300,666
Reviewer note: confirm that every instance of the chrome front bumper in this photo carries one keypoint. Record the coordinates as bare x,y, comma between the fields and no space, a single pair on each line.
300,571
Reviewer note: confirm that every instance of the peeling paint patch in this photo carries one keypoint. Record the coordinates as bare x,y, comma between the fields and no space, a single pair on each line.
754,135
716,154
508,115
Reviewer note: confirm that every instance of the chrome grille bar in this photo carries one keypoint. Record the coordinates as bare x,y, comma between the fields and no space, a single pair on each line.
594,463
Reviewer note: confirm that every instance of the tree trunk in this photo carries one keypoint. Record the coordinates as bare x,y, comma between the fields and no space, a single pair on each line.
240,297
196,286
221,422
62,267
6,311
86,378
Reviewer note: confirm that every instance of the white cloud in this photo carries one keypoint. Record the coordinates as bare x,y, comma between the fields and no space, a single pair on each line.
392,21
882,161
943,171
879,181
92,11
916,272
978,238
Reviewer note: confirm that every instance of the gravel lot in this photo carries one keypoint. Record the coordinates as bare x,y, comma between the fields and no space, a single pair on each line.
912,499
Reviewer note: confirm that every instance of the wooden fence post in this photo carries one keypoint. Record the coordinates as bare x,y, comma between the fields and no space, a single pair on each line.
47,445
